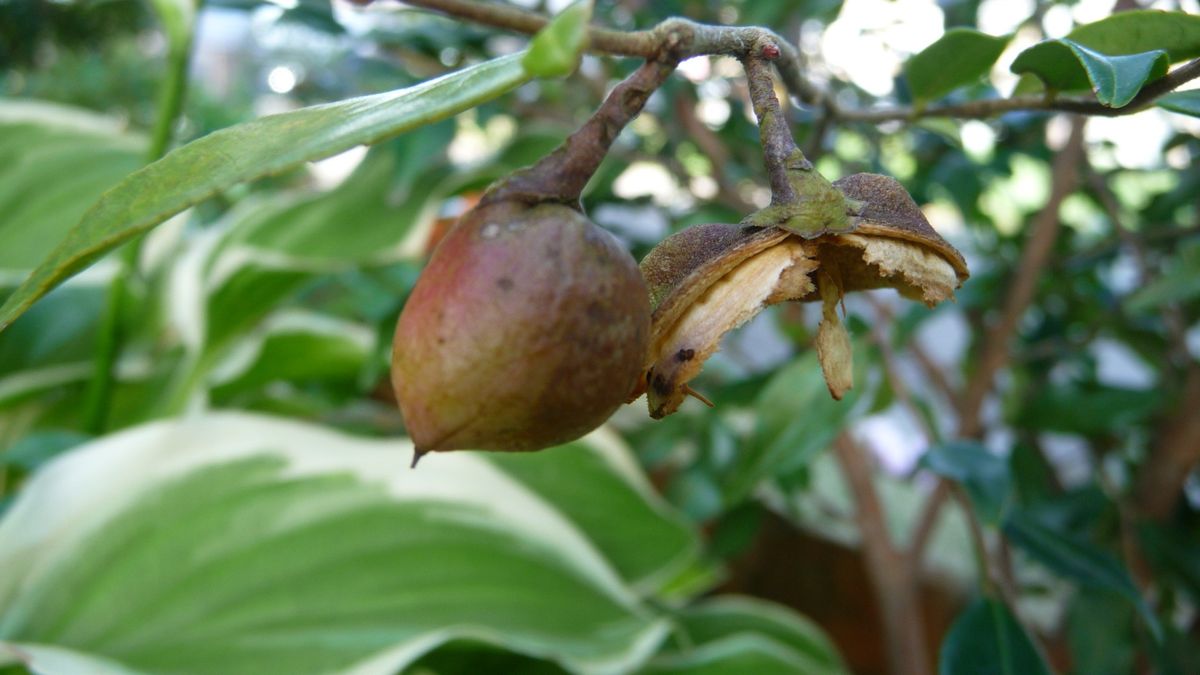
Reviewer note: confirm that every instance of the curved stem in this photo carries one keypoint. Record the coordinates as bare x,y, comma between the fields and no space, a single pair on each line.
98,397
562,175
779,148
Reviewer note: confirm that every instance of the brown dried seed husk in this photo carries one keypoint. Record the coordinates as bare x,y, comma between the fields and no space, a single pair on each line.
891,212
834,351
684,265
894,246
679,349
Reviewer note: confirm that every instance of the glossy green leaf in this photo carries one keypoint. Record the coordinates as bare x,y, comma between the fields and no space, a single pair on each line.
556,49
251,150
958,58
1087,409
1177,33
1184,102
1065,65
1077,560
985,477
796,420
987,640
55,161
1101,631
1125,33
235,543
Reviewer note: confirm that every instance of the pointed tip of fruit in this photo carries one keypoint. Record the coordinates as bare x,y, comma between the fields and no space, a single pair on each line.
418,453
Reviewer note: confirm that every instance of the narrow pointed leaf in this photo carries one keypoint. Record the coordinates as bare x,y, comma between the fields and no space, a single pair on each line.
986,640
251,150
1077,560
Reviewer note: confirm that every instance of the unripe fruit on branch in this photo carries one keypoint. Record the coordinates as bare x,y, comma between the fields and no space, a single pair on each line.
527,329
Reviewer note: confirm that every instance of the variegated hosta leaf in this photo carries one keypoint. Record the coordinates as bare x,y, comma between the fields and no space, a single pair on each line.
55,161
235,543
732,634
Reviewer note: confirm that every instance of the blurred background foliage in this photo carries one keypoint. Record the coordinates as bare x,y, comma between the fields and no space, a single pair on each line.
1072,519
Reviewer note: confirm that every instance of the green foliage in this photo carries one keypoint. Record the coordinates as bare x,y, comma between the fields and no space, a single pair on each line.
297,574
252,150
960,57
1077,560
1177,33
54,162
252,509
555,51
987,640
796,420
1116,56
1186,102
985,477
1065,65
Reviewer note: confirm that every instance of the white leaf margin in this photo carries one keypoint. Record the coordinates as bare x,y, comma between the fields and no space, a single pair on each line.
77,493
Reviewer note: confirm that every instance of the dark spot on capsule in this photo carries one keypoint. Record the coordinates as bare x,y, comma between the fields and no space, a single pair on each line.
553,252
660,385
504,283
596,311
685,355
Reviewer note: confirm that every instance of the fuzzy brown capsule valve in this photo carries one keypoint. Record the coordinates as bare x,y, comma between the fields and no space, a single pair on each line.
709,279
527,329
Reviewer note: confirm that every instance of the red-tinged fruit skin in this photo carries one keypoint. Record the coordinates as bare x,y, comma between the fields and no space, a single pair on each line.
527,329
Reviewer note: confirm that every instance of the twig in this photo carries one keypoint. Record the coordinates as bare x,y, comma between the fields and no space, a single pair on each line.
892,372
929,368
687,38
1043,233
779,148
1172,313
1176,452
926,523
993,107
682,37
895,584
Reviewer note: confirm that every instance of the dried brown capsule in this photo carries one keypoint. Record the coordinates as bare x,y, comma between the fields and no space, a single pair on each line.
527,329
709,279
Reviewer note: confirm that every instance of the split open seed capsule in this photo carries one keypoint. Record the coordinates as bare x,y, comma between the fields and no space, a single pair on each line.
709,279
